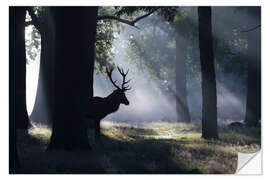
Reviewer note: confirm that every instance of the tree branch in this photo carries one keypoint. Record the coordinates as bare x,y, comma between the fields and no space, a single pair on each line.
251,29
131,23
109,17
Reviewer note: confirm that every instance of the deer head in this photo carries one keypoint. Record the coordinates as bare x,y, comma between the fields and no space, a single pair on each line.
119,93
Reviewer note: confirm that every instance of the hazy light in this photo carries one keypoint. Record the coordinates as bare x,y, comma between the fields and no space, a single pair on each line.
147,102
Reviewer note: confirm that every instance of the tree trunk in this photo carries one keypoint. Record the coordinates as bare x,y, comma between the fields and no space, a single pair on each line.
75,30
91,50
45,96
253,103
17,69
20,110
181,84
209,94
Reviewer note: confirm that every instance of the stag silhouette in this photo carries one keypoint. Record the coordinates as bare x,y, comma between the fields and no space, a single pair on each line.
98,107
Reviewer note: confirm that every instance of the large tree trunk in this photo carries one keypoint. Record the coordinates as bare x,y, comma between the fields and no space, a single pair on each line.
20,110
253,103
17,69
74,44
209,94
44,98
181,85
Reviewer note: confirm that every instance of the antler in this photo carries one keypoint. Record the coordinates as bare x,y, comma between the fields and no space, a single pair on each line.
110,77
121,71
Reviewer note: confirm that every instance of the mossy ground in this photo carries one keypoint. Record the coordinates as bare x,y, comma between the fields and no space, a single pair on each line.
152,148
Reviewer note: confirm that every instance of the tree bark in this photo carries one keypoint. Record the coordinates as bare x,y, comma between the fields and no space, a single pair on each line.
17,69
44,98
209,94
74,57
253,103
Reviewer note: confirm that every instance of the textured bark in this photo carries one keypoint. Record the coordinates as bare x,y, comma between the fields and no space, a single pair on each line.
45,95
209,94
253,103
17,105
74,56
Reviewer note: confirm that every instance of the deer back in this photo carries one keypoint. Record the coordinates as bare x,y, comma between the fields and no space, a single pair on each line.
98,107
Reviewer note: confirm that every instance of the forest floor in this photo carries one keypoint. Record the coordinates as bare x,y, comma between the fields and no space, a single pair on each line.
153,148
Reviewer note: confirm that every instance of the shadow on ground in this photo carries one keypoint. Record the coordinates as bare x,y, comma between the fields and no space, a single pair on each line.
109,156
138,150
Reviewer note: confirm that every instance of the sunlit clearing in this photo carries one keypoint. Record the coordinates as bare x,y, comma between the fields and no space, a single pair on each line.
40,132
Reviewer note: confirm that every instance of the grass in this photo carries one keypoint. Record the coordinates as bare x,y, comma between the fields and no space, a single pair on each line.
152,148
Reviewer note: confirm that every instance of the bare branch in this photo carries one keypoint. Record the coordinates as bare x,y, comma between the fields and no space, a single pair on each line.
131,23
251,29
143,16
107,17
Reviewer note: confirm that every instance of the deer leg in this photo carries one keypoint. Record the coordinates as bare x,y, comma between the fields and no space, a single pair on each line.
97,130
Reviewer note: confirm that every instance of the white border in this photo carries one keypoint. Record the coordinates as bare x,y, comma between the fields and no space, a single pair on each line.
265,74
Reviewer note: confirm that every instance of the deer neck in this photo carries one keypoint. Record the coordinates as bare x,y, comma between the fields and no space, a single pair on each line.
113,103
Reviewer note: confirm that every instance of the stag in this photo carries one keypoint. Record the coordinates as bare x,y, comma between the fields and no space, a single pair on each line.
98,107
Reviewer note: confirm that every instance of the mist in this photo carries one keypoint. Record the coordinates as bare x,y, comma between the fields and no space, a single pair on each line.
148,104
153,100
148,101
133,90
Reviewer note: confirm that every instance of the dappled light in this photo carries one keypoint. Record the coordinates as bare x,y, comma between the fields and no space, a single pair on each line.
153,145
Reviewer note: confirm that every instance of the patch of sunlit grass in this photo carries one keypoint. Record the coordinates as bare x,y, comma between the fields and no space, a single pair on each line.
40,132
116,134
189,148
154,148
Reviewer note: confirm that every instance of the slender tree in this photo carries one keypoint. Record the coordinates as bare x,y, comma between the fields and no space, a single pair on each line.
73,63
182,34
209,94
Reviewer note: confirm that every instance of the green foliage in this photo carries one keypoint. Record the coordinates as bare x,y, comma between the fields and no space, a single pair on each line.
152,49
131,10
231,50
32,41
104,42
107,31
38,10
167,12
